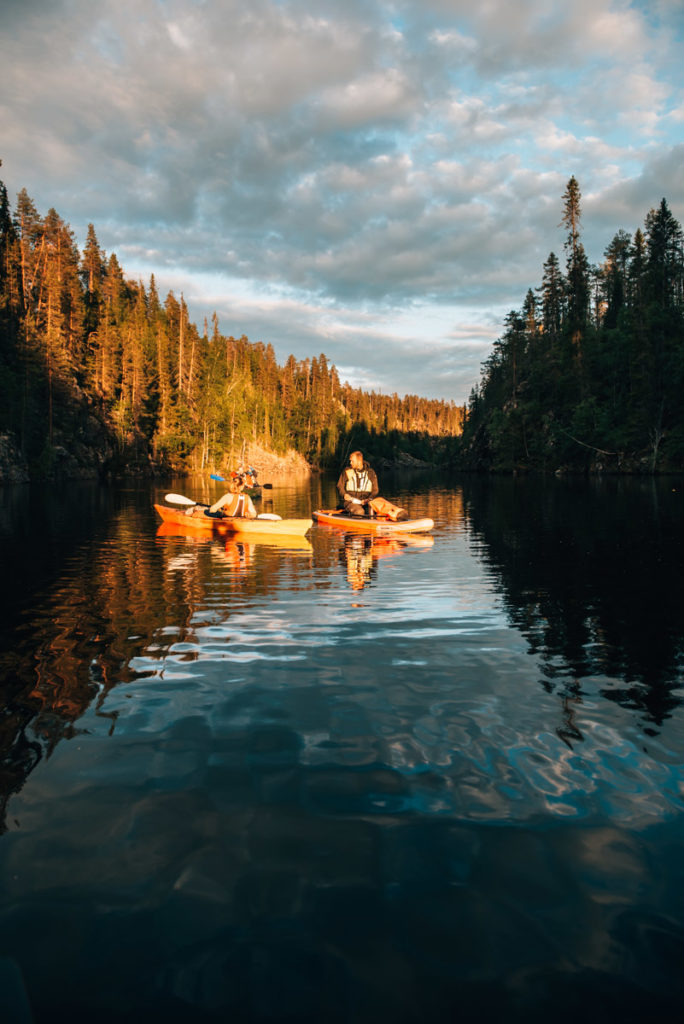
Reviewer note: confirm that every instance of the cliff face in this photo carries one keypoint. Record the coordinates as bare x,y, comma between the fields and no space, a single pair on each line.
90,454
13,468
81,449
268,464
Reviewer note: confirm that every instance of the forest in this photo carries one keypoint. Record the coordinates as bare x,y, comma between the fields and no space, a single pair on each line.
588,375
100,375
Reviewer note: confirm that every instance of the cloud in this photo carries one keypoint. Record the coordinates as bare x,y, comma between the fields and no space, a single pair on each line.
387,94
660,177
502,37
363,159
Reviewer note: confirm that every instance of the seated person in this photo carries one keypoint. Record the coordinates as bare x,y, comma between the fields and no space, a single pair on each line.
358,489
234,502
250,476
357,485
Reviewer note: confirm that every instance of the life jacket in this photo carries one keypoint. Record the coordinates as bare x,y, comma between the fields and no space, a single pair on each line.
237,506
358,482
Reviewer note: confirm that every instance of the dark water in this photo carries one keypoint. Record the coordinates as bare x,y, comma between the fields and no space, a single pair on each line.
345,780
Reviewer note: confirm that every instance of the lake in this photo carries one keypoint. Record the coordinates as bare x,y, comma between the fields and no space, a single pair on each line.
344,779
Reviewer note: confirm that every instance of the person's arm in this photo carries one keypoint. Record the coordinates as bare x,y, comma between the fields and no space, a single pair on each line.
223,500
374,484
342,485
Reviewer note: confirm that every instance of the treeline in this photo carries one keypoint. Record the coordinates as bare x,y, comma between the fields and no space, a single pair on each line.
589,373
90,360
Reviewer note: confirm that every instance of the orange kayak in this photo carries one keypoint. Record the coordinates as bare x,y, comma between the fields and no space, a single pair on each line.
235,525
376,525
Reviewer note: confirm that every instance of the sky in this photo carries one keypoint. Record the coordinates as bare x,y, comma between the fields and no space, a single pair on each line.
377,181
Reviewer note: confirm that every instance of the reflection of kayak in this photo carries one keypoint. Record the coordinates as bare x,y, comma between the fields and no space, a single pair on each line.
389,545
167,529
236,525
363,524
285,541
291,541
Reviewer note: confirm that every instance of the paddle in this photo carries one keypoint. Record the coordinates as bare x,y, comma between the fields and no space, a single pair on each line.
180,499
217,476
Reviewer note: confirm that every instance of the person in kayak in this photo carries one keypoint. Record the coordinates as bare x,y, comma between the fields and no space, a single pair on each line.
235,502
357,486
358,489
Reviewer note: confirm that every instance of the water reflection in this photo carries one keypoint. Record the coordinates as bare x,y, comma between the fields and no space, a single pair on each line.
278,799
589,575
247,546
360,554
65,648
590,572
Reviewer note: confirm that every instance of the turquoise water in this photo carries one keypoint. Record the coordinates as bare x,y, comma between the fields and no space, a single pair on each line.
344,779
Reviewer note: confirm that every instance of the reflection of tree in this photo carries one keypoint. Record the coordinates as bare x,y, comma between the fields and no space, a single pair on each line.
115,601
569,731
75,645
590,574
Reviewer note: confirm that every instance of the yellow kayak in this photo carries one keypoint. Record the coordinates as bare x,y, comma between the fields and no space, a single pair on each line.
235,524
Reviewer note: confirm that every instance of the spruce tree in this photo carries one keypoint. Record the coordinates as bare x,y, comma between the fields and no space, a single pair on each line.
577,267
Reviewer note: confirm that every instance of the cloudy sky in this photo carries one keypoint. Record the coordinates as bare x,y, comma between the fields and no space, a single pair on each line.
378,180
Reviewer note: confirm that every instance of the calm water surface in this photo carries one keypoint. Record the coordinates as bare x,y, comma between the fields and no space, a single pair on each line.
344,779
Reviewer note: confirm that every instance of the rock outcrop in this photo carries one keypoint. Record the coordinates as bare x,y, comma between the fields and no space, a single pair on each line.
13,468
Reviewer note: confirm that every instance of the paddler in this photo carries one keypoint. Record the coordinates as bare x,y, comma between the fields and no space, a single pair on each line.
357,486
235,502
358,489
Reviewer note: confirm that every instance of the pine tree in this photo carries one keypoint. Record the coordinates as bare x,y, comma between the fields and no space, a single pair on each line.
615,277
665,323
552,293
92,263
10,284
92,275
665,267
577,268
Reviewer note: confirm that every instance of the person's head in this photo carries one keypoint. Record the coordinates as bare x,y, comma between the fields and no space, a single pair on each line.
236,484
356,460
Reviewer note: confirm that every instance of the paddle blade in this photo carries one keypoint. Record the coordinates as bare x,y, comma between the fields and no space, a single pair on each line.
217,476
178,499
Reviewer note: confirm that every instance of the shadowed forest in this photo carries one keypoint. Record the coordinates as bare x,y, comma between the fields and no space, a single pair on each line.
589,373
